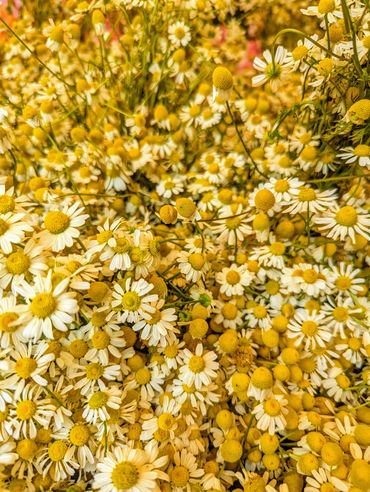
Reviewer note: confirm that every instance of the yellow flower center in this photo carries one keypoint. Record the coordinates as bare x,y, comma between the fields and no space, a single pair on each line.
196,364
309,328
299,52
222,78
262,378
57,450
100,340
194,110
180,476
6,320
343,283
124,475
306,195
277,248
143,376
43,305
346,216
264,200
94,371
98,319
7,204
98,400
310,276
166,421
197,261
131,301
171,351
340,313
26,448
56,222
78,348
282,185
155,317
17,263
259,312
122,246
24,367
354,344
179,32
272,407
103,237
233,223
79,434
3,227
362,150
229,311
232,277
343,381
326,6
26,409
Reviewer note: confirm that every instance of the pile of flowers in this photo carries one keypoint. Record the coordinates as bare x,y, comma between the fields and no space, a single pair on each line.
184,246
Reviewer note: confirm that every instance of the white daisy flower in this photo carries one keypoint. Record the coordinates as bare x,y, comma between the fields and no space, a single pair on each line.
270,414
131,470
199,368
359,154
272,66
61,227
47,307
308,330
233,280
158,326
12,231
132,301
179,34
342,222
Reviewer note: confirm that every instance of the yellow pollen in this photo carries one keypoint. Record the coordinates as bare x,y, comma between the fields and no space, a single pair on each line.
197,261
343,381
180,476
131,301
309,328
79,435
340,314
143,376
56,222
24,367
122,246
94,371
264,200
259,312
196,364
222,78
17,263
171,351
103,236
26,409
100,340
57,450
281,185
306,195
6,320
326,6
26,448
166,421
98,400
7,204
43,305
343,283
354,344
98,319
346,216
277,248
229,311
124,475
272,407
362,150
299,52
233,223
310,276
232,277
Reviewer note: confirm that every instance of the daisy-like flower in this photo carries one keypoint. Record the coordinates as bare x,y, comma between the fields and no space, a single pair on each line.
10,329
322,478
98,404
270,255
130,470
341,315
308,329
61,227
79,438
29,411
185,471
57,460
94,374
133,301
27,364
179,34
272,66
359,154
163,423
231,225
47,307
337,384
170,186
228,314
343,222
199,368
158,326
106,341
12,230
330,9
270,414
282,188
344,279
234,279
309,200
21,263
193,265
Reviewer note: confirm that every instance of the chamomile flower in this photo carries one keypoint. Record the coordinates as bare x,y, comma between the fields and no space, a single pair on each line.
132,300
199,367
272,66
61,227
342,222
234,279
12,231
309,330
359,154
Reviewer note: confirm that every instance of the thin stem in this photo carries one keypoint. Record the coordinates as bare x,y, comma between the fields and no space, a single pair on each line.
301,33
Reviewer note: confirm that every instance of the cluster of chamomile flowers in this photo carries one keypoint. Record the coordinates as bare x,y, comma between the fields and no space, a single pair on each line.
183,270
